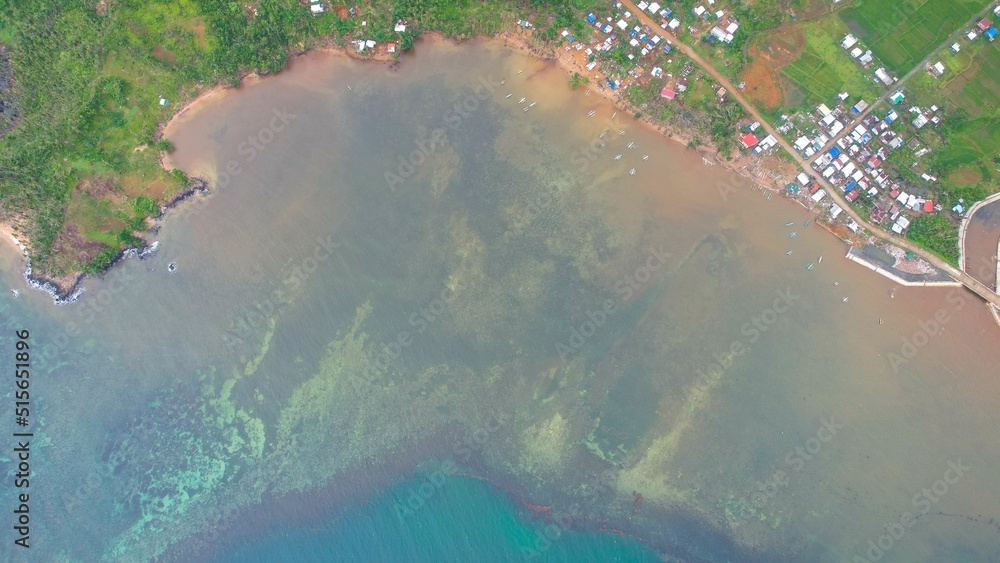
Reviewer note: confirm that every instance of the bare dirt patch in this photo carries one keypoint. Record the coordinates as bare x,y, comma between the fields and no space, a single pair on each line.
97,187
197,25
965,175
762,88
764,84
164,55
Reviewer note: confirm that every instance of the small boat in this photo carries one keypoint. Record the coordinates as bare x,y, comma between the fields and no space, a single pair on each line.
531,105
808,222
845,300
836,283
789,224
521,101
172,266
520,70
622,132
509,95
614,114
619,157
787,252
810,266
820,260
792,235
631,172
349,88
645,157
15,293
601,136
592,113
631,144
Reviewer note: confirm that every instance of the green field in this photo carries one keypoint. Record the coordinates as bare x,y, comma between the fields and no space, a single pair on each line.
902,32
969,142
823,69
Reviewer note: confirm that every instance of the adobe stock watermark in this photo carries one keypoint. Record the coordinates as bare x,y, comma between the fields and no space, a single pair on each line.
795,461
753,329
252,319
85,311
729,185
424,147
922,502
250,149
461,453
419,321
625,288
562,520
929,328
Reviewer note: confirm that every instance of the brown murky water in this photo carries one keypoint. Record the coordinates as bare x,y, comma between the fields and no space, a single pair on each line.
355,293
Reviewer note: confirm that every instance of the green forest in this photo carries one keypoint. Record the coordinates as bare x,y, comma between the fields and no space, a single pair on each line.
94,80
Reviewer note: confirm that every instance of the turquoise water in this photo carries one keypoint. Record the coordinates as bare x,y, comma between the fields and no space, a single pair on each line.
462,520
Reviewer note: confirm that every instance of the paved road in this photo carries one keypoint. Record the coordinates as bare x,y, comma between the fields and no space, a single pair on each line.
973,284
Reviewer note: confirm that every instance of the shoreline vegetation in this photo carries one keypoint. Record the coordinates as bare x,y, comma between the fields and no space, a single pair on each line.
79,191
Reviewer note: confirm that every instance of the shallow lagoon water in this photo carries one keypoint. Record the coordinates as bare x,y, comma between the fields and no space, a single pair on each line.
629,353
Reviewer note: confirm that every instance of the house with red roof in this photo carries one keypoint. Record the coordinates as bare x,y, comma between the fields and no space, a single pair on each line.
748,140
984,24
667,93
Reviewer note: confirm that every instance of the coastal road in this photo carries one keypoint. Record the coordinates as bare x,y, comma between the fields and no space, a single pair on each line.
899,83
973,284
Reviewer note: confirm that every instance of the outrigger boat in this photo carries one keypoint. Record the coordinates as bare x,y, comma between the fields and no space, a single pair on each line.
787,252
792,235
789,224
810,266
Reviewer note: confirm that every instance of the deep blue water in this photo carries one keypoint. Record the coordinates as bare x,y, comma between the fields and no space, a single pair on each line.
463,519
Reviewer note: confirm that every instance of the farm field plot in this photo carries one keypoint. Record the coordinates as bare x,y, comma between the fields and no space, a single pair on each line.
823,69
970,93
902,33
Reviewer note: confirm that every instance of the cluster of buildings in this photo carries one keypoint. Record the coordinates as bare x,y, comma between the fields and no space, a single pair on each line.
725,26
865,58
856,164
985,27
363,45
749,140
620,29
